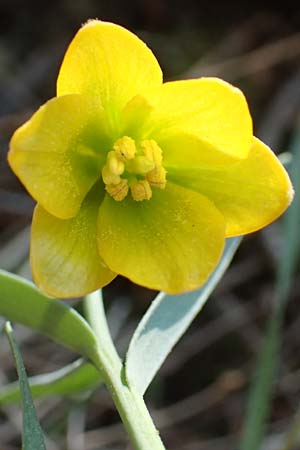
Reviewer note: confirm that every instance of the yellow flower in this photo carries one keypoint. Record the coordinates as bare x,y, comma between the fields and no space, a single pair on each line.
136,177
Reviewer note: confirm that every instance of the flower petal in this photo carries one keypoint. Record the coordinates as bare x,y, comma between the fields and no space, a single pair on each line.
171,242
183,150
110,63
250,194
58,153
64,257
208,108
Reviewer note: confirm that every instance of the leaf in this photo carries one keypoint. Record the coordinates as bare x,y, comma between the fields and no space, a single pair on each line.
262,389
165,322
21,302
77,377
32,438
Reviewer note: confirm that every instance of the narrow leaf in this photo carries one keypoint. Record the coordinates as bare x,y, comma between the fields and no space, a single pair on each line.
262,389
33,438
77,377
21,302
165,322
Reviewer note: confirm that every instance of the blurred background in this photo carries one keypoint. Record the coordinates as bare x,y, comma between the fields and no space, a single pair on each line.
199,400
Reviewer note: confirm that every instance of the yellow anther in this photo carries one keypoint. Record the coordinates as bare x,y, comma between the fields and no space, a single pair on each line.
138,169
115,165
118,191
152,151
109,177
140,165
141,190
157,177
125,148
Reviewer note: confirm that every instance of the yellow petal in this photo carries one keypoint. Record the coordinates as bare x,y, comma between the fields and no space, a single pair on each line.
171,242
59,152
110,63
134,115
183,150
208,108
250,194
64,257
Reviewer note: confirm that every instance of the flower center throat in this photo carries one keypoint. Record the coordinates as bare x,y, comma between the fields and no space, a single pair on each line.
133,168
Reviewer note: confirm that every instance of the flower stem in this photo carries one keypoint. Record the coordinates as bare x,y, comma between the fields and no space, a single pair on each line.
130,404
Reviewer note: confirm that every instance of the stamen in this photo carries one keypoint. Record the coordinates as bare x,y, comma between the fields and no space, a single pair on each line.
109,177
157,177
152,151
141,190
125,148
115,165
118,191
139,168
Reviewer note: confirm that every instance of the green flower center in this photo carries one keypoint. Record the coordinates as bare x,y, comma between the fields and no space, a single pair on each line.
133,168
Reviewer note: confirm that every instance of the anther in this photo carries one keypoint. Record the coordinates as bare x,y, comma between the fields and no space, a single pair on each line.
115,165
141,190
118,191
139,169
157,177
152,151
125,148
108,177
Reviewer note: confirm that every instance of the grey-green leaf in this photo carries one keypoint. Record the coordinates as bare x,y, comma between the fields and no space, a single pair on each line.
32,438
165,322
77,377
22,302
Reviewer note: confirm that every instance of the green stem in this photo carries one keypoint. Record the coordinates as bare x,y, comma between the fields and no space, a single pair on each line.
130,404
